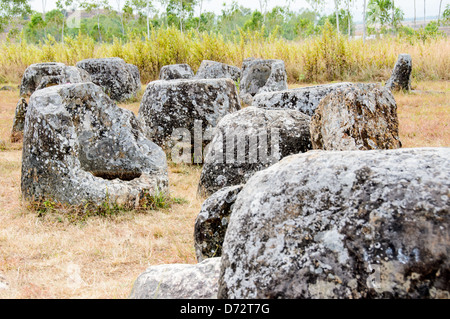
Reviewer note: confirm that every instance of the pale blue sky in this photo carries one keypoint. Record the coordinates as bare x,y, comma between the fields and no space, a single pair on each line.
213,5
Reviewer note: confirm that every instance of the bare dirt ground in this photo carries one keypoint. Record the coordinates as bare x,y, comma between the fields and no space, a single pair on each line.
100,257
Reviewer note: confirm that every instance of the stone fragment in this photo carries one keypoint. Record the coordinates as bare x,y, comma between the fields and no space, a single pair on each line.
176,71
360,117
401,74
178,281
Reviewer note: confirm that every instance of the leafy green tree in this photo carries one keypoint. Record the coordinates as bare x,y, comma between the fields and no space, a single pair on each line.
255,22
97,6
446,15
384,13
316,5
63,6
34,30
10,9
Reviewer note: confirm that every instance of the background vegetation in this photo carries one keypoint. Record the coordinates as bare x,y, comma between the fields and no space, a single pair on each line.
312,45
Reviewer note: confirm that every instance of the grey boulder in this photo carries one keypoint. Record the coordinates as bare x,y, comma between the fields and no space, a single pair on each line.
305,99
342,224
178,281
401,74
359,117
176,71
169,107
251,140
121,81
79,147
216,70
212,222
19,121
260,75
41,75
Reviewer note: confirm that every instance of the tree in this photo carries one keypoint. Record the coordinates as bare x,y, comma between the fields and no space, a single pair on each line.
348,4
424,13
97,5
380,12
315,5
336,11
63,5
364,22
10,9
146,7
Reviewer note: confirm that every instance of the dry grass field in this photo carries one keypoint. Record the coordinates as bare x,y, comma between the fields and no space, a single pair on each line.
100,257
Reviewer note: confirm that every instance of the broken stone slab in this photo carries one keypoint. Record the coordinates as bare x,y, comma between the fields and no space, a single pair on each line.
216,70
178,281
176,71
212,222
359,117
251,140
342,224
19,121
401,74
41,75
169,107
305,99
260,75
79,147
117,78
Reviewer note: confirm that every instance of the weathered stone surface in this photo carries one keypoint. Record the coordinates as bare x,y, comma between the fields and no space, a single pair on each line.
212,222
79,146
360,117
117,78
249,141
19,121
4,284
136,75
401,75
304,99
41,75
178,104
261,76
176,71
342,224
216,70
178,281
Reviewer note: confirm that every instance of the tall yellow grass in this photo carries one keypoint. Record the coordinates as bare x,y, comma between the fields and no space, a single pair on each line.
320,59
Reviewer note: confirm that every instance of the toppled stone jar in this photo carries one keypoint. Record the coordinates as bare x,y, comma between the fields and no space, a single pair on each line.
80,147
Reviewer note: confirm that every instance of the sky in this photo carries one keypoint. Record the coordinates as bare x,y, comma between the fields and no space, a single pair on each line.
432,6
